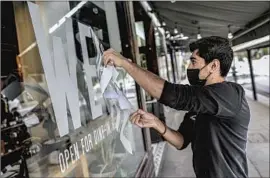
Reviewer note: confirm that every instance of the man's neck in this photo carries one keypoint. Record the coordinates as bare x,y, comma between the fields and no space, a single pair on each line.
213,80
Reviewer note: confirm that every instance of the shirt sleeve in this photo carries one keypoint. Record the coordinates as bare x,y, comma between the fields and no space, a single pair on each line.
219,100
186,128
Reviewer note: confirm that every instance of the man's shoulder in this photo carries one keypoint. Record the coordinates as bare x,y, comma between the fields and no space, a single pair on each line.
237,87
227,92
233,84
226,87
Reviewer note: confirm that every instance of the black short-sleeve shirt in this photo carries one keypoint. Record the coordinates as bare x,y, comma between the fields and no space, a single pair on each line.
216,126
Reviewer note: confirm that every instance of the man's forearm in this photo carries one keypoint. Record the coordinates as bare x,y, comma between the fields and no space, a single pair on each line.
173,137
150,82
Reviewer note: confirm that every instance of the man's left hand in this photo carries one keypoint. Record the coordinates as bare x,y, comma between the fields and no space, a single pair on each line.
111,57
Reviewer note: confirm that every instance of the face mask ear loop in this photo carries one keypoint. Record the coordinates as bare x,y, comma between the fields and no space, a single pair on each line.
208,74
203,67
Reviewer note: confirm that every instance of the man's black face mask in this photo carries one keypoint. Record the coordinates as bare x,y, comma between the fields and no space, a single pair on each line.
193,77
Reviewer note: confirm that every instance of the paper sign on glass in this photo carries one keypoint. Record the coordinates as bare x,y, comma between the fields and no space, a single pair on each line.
123,102
110,94
118,118
126,143
106,76
115,74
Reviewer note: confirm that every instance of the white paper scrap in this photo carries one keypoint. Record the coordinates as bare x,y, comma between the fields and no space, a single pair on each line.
106,77
123,102
115,74
126,143
110,94
118,118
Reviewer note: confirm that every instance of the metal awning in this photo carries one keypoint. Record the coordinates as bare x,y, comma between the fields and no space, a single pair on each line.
213,17
253,44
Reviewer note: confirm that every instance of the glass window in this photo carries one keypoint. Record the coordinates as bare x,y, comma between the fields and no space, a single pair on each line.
140,33
162,58
57,122
170,69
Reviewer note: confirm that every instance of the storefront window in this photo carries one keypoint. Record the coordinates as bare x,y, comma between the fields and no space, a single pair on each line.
140,33
178,65
162,58
170,69
59,123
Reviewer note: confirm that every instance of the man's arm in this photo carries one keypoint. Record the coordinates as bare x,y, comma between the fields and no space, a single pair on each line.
147,120
212,99
147,80
222,100
183,136
173,137
150,82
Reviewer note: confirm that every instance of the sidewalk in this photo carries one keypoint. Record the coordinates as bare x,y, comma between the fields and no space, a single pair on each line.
179,163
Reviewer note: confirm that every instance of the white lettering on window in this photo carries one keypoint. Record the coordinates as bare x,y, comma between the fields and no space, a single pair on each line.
62,82
90,70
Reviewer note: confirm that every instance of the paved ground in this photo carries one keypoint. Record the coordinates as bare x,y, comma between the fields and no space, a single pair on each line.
179,163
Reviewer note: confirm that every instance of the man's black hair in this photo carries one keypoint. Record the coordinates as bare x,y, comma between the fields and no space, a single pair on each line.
215,47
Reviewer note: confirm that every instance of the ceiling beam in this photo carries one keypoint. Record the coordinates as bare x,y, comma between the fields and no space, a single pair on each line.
252,28
192,16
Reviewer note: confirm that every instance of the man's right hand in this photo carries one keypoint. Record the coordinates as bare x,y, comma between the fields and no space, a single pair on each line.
147,120
111,57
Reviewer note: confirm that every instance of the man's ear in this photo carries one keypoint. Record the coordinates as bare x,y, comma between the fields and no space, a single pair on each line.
216,65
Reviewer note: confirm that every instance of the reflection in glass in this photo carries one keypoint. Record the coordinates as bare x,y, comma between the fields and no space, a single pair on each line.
30,141
140,33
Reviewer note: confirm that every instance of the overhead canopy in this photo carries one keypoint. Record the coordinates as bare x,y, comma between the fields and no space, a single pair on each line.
212,17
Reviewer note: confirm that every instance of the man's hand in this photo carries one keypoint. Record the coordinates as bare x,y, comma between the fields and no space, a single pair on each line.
150,82
111,57
147,120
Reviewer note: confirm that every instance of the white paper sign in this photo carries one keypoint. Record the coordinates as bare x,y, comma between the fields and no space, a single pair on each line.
123,102
110,94
106,76
115,74
126,143
118,118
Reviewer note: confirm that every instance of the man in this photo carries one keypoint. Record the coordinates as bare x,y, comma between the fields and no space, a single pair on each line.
218,117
